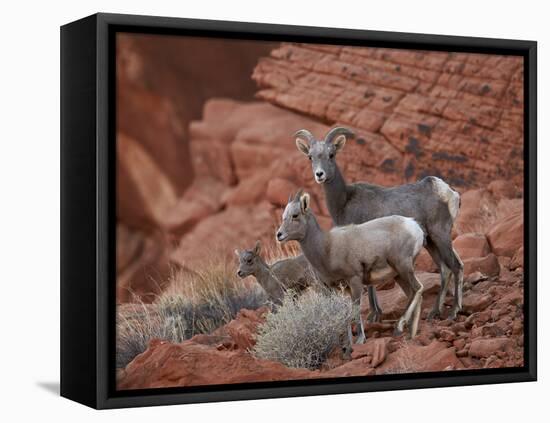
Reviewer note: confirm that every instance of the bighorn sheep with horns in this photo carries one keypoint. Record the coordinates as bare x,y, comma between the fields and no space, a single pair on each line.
357,255
430,201
293,273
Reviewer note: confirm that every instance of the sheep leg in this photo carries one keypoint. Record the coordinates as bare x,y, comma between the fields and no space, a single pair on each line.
450,259
406,288
375,313
459,286
408,276
445,275
356,288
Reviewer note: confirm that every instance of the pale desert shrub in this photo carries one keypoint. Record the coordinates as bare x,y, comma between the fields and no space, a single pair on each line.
192,304
305,329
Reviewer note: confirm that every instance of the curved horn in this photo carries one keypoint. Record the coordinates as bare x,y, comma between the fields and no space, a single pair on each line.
305,135
339,130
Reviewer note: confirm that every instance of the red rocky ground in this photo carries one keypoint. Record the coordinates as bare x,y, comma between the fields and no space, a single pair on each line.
488,334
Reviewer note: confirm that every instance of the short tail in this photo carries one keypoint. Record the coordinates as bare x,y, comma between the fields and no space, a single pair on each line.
448,195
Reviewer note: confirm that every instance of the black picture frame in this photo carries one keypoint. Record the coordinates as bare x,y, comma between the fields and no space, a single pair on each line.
88,213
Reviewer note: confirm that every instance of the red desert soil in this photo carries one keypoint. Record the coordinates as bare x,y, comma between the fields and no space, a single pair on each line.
488,334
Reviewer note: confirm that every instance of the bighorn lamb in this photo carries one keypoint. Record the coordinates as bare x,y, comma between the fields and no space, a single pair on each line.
292,273
430,201
359,255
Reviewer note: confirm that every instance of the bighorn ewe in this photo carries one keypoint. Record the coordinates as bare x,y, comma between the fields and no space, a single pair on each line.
292,273
430,201
359,255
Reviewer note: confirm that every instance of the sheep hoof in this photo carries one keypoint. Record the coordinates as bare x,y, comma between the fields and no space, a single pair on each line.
374,317
433,314
397,332
453,313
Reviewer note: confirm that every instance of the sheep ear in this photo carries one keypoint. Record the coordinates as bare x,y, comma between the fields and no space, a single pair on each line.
257,248
304,202
303,146
339,142
237,253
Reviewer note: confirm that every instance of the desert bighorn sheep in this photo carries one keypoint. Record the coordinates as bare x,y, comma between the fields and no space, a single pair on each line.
292,273
359,255
430,201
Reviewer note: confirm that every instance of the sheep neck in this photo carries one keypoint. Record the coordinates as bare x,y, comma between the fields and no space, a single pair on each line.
265,276
336,195
313,244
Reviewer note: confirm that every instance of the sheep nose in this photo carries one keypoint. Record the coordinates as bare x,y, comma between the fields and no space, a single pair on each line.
319,173
279,235
240,274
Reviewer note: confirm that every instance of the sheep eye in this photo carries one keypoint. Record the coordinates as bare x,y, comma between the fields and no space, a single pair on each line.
295,216
249,261
331,156
309,157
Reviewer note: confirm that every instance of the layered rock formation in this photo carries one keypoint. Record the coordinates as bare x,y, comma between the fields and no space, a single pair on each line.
456,115
208,186
162,83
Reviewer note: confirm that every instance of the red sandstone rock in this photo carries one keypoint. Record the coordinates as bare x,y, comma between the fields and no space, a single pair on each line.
152,121
145,194
202,199
279,190
189,364
243,328
376,348
487,265
486,347
477,211
454,119
424,262
471,245
413,358
473,302
517,259
216,236
145,265
503,189
506,235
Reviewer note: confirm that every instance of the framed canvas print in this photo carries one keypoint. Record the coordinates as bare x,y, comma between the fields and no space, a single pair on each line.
256,211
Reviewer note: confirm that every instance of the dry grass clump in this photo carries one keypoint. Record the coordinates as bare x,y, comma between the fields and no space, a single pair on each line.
193,303
304,330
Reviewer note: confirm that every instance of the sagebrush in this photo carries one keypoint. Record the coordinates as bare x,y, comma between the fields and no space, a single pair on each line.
194,303
305,329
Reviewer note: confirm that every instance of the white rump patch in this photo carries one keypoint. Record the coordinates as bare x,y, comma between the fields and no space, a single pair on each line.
448,195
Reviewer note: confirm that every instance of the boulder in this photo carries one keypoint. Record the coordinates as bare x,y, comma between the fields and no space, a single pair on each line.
216,236
506,235
145,265
424,262
279,190
165,365
153,122
249,191
487,265
376,348
200,200
477,211
517,259
471,245
485,347
145,194
436,356
242,329
504,189
475,301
